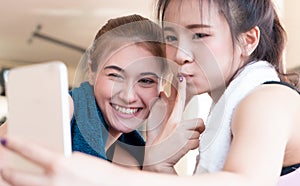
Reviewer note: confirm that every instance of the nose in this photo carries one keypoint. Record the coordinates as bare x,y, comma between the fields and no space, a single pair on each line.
128,94
184,54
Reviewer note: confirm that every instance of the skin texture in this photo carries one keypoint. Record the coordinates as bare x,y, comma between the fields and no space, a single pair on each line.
197,45
131,79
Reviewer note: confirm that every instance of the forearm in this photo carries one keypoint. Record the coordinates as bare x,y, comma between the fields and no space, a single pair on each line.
150,178
158,160
160,168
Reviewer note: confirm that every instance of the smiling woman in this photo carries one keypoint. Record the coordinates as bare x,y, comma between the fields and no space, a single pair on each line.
125,66
131,79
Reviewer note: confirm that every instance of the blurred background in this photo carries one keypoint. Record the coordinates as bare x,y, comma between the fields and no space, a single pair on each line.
34,31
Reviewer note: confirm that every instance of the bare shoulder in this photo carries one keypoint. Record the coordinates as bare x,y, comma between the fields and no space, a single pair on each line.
265,126
272,96
270,103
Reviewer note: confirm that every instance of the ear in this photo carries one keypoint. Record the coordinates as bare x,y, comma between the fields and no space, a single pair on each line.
250,40
92,74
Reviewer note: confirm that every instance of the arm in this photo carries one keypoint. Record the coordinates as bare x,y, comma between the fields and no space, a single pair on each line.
262,127
259,140
81,169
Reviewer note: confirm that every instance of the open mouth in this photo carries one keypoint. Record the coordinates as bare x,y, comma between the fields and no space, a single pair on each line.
125,110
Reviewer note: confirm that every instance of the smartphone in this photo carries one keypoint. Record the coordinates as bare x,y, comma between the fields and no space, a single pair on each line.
38,109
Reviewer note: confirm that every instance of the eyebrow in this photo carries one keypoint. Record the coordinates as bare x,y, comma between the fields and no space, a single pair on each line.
197,26
123,71
169,29
149,73
114,68
192,26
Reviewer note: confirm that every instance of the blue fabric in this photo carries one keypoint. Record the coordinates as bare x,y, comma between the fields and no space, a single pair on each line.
89,130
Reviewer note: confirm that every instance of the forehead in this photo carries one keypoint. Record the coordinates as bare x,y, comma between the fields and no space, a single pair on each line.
134,57
186,12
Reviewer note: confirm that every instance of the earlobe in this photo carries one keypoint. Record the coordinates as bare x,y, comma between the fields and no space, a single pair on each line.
250,40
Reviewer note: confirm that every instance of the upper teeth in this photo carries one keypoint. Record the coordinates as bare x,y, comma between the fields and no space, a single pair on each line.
125,110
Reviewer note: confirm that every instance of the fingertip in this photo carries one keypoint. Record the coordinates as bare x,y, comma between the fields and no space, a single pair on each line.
200,124
180,78
182,82
3,141
163,95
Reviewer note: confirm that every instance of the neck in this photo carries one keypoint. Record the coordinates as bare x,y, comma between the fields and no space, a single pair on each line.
113,135
188,99
216,94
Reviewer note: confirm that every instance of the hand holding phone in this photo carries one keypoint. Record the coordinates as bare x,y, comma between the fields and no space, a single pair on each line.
38,108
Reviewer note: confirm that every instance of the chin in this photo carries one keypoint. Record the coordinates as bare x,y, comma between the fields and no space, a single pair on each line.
129,125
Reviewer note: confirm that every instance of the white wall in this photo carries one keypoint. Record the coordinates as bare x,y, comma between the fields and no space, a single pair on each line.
291,15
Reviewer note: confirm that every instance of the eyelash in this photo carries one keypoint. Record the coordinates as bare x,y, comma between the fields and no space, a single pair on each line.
114,75
199,35
171,38
146,81
143,81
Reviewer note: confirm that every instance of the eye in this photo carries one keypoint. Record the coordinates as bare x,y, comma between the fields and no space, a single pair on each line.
199,35
147,82
115,76
170,38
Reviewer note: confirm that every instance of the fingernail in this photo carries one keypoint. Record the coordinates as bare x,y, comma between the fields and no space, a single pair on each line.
180,78
3,141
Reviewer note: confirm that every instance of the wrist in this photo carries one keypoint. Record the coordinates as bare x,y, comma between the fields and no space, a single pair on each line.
160,168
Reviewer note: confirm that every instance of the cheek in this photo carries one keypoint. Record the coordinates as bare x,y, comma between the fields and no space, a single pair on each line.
102,93
226,63
171,52
208,69
148,96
